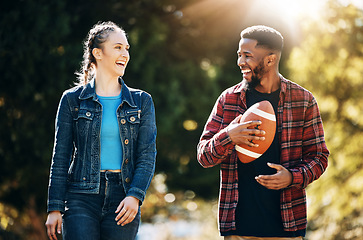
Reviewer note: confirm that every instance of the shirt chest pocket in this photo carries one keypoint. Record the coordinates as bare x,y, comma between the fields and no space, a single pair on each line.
83,121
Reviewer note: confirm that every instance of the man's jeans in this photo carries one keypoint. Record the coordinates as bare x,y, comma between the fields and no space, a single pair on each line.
92,216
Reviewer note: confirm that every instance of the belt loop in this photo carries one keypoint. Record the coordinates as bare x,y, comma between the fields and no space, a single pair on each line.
106,175
120,178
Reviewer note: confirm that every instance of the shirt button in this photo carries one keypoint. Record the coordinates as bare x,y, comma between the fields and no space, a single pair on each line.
123,121
126,141
126,160
88,114
127,180
76,109
84,178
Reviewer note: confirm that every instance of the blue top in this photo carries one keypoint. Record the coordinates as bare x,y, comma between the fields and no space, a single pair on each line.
111,148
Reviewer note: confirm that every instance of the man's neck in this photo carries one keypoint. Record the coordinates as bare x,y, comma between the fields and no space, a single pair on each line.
269,83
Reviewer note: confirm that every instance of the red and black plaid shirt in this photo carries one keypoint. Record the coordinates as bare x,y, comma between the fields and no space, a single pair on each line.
303,150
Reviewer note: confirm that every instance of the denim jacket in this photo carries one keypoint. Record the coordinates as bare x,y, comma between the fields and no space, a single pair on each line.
76,154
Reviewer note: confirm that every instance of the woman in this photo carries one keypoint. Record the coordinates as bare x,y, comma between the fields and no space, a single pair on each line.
105,146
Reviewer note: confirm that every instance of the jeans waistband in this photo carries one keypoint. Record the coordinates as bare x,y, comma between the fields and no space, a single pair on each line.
115,171
110,176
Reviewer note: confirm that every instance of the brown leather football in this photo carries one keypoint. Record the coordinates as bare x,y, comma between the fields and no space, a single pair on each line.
264,112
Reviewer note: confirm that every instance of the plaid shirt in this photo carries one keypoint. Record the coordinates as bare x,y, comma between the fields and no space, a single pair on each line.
303,150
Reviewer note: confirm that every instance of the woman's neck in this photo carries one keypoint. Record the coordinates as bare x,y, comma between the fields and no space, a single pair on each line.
107,86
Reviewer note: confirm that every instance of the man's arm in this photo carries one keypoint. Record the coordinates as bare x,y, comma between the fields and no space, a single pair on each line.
217,143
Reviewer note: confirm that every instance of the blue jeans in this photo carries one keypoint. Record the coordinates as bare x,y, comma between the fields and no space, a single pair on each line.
92,216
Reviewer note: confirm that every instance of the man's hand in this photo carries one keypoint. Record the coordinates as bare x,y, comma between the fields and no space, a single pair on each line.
127,210
240,133
277,181
54,221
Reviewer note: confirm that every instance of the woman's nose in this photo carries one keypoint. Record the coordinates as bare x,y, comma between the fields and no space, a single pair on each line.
125,53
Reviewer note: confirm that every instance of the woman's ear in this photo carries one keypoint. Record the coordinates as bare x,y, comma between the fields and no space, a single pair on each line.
97,53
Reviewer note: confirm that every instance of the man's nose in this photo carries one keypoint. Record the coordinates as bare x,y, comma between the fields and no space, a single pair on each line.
241,61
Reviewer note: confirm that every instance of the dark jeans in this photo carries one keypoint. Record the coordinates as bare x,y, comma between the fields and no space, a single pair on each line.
92,216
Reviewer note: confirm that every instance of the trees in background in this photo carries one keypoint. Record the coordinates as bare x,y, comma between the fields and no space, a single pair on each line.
183,53
329,62
35,62
41,48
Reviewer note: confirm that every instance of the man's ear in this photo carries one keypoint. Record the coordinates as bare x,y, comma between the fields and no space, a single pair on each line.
271,60
97,53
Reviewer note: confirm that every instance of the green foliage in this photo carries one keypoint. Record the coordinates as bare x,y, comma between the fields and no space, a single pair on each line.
41,48
330,63
184,56
32,65
33,53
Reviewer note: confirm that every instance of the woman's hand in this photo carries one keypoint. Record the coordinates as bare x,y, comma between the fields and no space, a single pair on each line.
54,221
127,210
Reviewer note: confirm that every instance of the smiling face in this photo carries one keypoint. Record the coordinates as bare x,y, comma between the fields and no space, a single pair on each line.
112,59
251,60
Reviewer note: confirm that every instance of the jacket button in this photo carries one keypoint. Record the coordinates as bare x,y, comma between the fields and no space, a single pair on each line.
126,141
84,178
88,114
132,119
76,109
123,121
126,160
127,180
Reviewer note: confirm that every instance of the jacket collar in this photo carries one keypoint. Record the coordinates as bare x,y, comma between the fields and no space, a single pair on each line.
89,91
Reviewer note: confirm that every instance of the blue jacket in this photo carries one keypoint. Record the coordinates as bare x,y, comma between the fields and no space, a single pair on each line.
76,154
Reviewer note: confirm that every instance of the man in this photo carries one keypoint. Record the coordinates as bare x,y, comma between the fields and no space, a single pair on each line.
264,199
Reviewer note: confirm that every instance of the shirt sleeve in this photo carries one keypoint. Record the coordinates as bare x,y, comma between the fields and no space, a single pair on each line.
215,145
314,150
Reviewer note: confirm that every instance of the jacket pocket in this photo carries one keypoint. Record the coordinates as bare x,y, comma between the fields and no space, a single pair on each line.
133,118
83,121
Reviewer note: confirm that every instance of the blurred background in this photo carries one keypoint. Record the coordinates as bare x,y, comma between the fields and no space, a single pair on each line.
183,52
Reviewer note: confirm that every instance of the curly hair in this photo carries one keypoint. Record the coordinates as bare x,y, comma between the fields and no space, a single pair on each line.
98,34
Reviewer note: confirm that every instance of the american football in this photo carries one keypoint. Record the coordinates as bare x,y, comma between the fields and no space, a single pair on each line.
264,112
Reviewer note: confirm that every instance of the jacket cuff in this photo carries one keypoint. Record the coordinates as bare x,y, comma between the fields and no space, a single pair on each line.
136,193
56,205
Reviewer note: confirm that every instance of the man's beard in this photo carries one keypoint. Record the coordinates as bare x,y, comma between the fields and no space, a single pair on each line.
256,77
